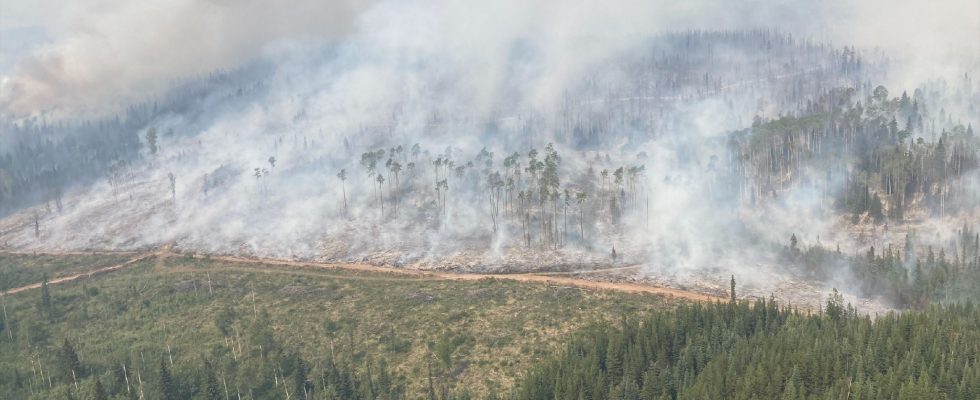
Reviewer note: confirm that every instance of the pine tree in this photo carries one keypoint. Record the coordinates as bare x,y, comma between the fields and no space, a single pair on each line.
733,289
300,381
99,393
47,308
151,140
71,367
168,388
211,390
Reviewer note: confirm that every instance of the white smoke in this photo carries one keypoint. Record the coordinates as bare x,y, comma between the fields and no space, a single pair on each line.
352,77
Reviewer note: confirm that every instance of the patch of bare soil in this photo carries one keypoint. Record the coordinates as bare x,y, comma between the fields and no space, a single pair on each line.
87,274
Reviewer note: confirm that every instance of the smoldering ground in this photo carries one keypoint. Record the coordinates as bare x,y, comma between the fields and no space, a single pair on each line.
460,80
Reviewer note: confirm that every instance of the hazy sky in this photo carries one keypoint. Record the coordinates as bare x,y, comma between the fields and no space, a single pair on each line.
78,53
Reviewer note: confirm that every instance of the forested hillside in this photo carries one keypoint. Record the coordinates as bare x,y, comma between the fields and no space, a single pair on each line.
505,199
754,135
42,158
854,149
186,328
766,351
189,328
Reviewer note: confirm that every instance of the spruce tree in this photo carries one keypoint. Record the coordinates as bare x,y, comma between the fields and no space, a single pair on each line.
733,289
300,382
168,388
99,393
46,305
71,367
211,391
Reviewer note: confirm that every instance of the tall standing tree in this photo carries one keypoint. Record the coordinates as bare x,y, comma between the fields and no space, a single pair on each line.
301,384
381,193
211,389
151,140
168,388
733,289
71,367
47,307
342,175
580,198
173,186
99,392
396,168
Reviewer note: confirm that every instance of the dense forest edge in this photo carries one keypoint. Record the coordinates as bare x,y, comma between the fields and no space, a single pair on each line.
296,338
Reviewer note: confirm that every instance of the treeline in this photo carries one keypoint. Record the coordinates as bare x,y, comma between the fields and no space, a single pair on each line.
738,349
279,376
254,361
653,82
530,193
253,364
40,159
764,351
888,154
913,276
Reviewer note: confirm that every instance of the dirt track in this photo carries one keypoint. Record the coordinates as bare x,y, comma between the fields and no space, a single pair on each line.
554,278
550,278
86,274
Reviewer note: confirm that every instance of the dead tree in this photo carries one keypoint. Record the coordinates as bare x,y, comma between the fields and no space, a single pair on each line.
173,187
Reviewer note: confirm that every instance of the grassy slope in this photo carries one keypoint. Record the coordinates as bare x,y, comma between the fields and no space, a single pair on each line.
24,269
498,328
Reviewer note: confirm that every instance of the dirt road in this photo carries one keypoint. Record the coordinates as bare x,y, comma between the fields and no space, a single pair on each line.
550,278
86,274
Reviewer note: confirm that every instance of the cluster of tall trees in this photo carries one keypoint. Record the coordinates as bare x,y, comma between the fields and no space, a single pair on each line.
530,191
281,375
738,67
913,276
736,349
254,364
47,159
761,350
41,159
889,154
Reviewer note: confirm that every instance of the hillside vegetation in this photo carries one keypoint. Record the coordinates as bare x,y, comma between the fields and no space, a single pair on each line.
178,327
257,326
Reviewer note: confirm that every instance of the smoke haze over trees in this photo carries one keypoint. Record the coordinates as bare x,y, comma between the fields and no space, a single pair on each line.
676,138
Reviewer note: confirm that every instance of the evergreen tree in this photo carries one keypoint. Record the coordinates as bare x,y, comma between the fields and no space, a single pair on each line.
211,390
151,141
301,384
70,365
99,393
733,289
47,307
168,387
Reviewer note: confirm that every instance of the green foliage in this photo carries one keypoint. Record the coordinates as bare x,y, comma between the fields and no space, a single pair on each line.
45,305
99,392
211,389
732,293
835,306
912,277
836,139
351,333
20,270
759,350
71,367
168,387
444,350
225,319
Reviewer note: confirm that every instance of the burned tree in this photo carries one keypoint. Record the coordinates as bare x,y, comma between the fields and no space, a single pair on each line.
342,175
